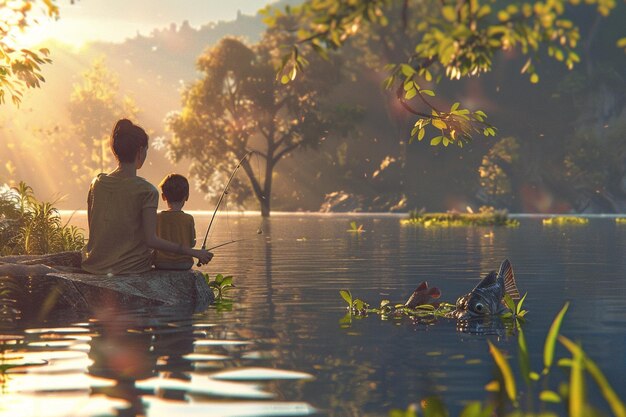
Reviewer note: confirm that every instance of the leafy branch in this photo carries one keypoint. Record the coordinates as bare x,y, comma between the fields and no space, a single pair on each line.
453,40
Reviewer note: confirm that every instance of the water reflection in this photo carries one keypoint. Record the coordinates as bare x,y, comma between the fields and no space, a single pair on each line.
286,315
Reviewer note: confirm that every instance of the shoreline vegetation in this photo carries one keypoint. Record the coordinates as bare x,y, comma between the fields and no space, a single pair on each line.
487,216
32,227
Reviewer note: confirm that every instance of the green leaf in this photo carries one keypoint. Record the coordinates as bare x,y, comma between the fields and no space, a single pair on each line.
508,301
284,79
455,106
617,406
436,140
549,396
219,278
523,357
577,391
621,43
505,370
421,133
473,409
520,303
407,70
448,13
439,124
534,78
410,94
548,349
347,296
428,92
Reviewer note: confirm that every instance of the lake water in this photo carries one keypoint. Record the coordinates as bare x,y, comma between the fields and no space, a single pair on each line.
281,351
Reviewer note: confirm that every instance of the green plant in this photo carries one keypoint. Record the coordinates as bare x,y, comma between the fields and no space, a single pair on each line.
32,227
487,216
220,286
565,220
355,229
571,391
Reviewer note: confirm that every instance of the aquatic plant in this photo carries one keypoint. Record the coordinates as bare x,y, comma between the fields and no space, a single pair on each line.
565,220
426,310
620,220
220,286
487,216
570,392
32,227
355,229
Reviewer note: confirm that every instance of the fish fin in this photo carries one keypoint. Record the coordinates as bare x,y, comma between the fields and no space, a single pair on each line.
489,280
423,286
510,287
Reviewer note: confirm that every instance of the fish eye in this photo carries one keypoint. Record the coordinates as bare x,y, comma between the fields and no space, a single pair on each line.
479,307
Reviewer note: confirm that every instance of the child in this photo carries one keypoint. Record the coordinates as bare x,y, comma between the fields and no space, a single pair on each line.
121,211
175,225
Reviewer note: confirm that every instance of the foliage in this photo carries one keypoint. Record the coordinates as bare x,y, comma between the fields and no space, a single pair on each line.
620,220
451,39
426,311
32,227
20,68
494,168
565,221
220,286
94,106
571,392
354,228
238,106
487,216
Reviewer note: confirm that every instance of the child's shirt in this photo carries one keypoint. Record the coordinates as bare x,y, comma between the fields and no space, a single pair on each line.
116,238
177,227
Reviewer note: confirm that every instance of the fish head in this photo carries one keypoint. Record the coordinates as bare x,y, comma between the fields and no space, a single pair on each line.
483,300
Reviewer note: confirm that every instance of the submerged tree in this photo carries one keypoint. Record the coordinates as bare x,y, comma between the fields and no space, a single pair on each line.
238,106
454,39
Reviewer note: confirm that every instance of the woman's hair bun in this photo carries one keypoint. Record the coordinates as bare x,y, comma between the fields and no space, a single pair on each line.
127,139
122,125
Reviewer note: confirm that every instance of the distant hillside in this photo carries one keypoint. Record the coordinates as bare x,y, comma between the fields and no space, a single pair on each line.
152,70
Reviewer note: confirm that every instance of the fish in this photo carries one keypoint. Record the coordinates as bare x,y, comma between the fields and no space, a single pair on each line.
486,299
423,295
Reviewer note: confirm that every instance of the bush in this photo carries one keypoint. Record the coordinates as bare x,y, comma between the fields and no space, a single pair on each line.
32,227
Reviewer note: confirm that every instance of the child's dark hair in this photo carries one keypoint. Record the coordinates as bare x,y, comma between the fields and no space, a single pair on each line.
127,139
175,188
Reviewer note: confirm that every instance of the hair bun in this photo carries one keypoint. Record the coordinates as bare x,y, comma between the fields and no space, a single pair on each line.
121,125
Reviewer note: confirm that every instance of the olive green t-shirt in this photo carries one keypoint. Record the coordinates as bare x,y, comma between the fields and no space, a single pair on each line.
116,242
177,227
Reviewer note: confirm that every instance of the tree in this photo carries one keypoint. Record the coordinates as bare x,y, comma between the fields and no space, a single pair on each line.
455,39
94,106
20,68
238,106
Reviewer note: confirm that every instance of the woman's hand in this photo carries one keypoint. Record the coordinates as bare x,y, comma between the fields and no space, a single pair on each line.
203,255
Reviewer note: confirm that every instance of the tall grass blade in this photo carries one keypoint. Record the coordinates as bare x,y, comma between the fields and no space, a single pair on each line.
505,370
576,388
617,406
524,358
548,349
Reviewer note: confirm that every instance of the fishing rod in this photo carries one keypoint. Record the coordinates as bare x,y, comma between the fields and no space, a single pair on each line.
226,243
232,175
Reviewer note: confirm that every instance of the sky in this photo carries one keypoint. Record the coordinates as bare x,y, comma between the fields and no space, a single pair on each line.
116,20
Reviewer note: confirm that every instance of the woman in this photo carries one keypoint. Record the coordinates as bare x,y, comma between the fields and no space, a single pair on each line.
122,212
